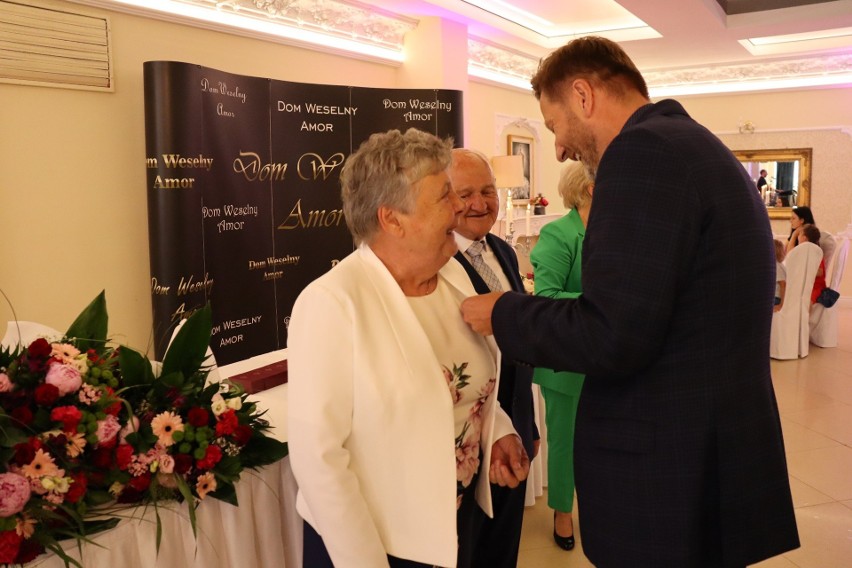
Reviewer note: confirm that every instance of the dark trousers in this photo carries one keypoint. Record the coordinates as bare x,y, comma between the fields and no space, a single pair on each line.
315,554
498,539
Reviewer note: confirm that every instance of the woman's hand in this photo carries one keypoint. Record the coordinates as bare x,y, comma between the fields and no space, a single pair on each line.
509,462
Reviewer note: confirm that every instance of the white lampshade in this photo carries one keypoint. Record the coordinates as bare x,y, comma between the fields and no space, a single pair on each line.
508,171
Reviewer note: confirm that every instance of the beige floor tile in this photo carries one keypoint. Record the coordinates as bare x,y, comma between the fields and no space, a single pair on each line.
828,470
826,535
799,438
776,562
806,496
833,421
847,503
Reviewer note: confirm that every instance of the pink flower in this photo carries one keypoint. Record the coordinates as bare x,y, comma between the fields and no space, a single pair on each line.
14,493
5,384
167,463
131,426
108,428
64,377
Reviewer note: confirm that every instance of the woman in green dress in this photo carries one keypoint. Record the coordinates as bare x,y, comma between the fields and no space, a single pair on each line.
556,261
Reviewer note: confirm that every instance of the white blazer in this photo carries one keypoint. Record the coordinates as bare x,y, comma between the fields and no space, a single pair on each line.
370,419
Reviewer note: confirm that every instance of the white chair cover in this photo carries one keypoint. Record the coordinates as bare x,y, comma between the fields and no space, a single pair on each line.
25,332
790,325
823,321
828,244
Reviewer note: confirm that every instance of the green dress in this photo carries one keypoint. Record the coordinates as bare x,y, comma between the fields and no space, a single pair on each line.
556,260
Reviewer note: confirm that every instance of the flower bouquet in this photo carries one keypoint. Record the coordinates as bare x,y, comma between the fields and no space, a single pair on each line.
87,428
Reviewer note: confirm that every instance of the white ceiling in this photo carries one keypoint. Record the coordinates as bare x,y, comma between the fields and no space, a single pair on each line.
668,34
681,46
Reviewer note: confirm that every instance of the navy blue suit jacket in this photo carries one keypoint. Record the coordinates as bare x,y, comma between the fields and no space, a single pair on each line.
679,458
515,392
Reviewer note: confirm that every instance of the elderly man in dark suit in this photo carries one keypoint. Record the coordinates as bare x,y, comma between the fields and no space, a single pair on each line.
678,450
493,265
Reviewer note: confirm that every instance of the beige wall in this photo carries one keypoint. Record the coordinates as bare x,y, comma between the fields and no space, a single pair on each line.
73,207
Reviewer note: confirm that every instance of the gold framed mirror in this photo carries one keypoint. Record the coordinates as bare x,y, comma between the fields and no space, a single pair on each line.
783,177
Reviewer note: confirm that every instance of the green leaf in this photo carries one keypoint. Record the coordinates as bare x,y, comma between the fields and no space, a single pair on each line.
98,497
135,368
263,450
189,347
226,492
90,327
184,489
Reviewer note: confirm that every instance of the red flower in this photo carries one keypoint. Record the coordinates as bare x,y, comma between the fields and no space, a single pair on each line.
46,394
39,348
23,415
211,457
102,457
77,488
24,453
198,417
140,483
242,434
30,549
10,544
114,408
70,417
183,463
123,456
227,423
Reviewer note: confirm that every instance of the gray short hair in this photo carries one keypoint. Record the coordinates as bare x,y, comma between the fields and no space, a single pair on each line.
574,182
383,171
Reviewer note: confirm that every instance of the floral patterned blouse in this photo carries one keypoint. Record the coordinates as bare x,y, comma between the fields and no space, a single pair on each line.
469,369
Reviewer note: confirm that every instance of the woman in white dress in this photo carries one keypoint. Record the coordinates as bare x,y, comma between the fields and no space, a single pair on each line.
393,418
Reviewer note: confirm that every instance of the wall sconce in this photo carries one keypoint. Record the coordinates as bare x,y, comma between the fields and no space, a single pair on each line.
746,127
508,173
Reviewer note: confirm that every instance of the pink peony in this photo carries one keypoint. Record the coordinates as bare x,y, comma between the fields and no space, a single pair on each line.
108,428
5,384
14,493
64,377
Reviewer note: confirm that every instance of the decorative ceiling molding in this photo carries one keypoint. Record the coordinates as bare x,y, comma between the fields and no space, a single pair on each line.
501,60
341,19
759,71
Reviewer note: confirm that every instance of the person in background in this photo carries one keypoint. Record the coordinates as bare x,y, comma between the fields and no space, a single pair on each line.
678,451
780,275
393,418
556,261
801,216
809,233
761,181
492,264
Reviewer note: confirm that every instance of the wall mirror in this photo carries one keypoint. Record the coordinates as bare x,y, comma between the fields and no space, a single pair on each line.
787,179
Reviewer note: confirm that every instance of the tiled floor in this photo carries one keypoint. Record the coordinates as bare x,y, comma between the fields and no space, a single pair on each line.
815,398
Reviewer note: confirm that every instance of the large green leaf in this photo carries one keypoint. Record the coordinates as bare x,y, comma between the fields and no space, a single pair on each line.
263,450
135,368
90,327
189,347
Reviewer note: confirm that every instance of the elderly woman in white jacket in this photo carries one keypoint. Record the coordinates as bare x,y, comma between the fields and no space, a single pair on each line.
394,423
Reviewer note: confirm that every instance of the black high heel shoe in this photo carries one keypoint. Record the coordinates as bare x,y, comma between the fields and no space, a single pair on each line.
563,542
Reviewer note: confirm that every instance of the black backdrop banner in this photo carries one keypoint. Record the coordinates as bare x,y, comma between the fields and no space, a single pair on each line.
243,191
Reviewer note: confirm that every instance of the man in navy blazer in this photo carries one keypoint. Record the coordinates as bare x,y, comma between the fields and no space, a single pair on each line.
470,172
678,450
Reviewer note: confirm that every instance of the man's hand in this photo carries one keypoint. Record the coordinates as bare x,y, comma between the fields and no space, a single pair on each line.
509,462
476,311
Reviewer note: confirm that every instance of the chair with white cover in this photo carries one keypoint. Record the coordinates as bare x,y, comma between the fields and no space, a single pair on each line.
823,321
790,325
828,244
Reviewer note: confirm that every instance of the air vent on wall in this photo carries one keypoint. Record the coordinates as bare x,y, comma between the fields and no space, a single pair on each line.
54,48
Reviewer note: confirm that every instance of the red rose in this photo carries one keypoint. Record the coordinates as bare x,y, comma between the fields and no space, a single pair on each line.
183,463
77,488
242,434
102,457
39,348
198,417
70,417
46,394
114,408
23,415
10,543
24,454
211,457
123,456
30,549
227,422
140,483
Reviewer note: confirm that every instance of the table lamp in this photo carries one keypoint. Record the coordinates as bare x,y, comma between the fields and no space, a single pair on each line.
508,173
